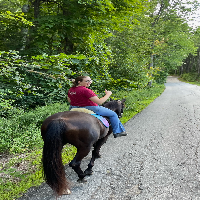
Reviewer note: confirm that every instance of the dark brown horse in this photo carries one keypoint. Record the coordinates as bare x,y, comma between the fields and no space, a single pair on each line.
82,130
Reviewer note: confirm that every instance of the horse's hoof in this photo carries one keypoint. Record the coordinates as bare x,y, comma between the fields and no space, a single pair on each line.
81,180
67,192
98,156
71,164
88,172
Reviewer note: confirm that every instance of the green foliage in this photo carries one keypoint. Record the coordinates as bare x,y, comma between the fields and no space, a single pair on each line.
172,39
107,40
11,5
190,77
5,105
45,79
161,76
14,17
12,30
71,26
21,132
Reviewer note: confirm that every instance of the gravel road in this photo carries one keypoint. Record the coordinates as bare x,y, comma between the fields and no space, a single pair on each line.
158,160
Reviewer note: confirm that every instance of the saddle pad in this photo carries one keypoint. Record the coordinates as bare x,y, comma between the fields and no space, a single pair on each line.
102,119
82,110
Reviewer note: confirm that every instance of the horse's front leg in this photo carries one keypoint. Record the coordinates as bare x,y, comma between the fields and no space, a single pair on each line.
99,143
89,171
95,154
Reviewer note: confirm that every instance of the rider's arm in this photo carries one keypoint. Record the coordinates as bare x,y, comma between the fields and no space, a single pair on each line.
69,100
100,101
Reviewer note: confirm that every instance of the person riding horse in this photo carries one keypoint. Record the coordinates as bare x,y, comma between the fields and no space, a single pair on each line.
81,96
82,130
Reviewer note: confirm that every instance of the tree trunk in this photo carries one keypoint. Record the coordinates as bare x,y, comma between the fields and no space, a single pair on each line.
150,65
24,31
36,5
69,46
188,65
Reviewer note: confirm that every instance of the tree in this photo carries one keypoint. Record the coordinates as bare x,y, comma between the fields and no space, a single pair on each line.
191,64
114,41
172,38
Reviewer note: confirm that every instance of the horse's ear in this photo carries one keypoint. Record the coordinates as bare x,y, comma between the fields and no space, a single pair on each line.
123,100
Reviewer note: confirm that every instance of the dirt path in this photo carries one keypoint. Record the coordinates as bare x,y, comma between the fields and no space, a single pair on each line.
172,79
158,160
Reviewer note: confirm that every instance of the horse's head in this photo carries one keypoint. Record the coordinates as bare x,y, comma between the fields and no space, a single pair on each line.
116,105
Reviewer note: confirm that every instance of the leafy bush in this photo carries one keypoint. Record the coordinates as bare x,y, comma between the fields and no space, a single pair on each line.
160,77
21,133
41,80
191,77
31,83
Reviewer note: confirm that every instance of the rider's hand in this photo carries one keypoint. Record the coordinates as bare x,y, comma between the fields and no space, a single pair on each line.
108,92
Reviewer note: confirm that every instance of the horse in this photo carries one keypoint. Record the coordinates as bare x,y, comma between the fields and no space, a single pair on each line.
79,129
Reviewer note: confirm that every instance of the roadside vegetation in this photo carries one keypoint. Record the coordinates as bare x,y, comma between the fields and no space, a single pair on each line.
192,78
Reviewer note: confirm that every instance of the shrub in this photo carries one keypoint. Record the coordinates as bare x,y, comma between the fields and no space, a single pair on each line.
161,77
191,77
21,133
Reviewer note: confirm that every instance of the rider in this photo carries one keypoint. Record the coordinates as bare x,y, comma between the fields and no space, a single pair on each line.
80,96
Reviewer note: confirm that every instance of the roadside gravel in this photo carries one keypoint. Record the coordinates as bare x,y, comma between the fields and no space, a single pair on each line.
158,160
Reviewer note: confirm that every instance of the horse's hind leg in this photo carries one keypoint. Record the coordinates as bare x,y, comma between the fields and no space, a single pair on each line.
76,162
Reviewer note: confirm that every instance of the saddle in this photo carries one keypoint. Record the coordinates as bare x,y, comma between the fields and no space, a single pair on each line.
102,119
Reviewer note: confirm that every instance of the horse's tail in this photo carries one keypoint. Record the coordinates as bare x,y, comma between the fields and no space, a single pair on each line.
54,173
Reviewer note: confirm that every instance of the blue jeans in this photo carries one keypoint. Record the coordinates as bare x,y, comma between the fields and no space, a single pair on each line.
117,126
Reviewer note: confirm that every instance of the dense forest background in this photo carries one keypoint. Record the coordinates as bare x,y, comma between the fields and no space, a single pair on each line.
121,44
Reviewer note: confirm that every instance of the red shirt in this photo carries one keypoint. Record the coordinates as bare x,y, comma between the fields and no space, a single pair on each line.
80,96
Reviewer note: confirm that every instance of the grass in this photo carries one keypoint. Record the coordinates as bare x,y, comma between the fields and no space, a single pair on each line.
137,100
21,171
25,171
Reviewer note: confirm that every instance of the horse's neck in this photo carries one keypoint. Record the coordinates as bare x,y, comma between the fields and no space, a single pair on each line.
110,105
